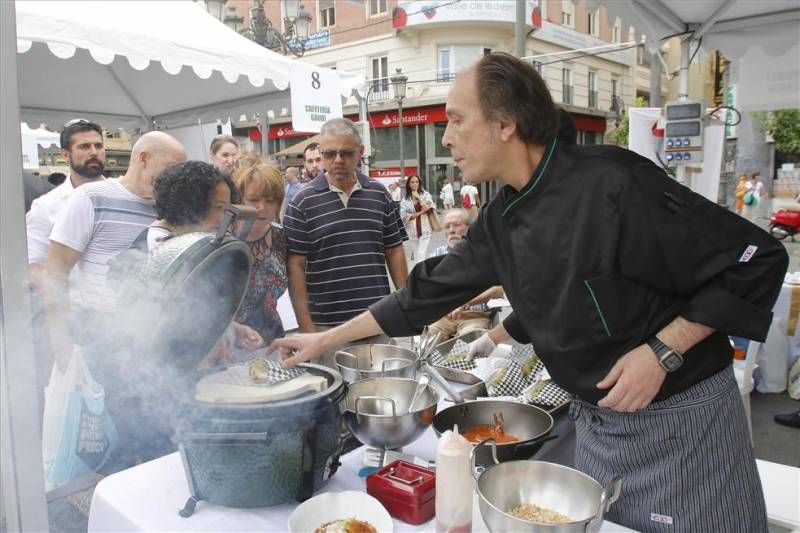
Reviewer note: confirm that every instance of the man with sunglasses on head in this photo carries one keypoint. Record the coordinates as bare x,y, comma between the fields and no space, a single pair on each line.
343,231
83,149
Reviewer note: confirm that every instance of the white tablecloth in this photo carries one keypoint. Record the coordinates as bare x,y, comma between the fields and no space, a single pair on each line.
148,497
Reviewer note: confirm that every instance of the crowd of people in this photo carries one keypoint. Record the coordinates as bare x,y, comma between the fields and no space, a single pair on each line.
594,246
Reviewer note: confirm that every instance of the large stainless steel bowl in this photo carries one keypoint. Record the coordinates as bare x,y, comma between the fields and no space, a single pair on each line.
552,486
364,361
377,411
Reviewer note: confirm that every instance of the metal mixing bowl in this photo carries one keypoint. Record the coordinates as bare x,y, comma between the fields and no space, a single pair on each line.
364,361
376,411
552,486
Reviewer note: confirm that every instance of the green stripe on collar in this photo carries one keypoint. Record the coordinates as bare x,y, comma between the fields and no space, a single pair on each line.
532,185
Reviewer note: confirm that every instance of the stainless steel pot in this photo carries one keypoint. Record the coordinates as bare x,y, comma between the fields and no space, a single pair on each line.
562,489
375,407
364,361
530,423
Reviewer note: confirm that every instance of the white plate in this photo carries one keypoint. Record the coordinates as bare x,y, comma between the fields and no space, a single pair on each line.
330,506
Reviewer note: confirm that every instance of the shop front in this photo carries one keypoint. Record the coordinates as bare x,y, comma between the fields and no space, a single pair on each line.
423,151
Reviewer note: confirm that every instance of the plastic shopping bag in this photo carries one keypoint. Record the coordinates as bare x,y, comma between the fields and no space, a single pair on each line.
78,433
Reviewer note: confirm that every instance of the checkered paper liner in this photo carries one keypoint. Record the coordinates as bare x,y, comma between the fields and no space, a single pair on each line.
240,375
453,358
521,375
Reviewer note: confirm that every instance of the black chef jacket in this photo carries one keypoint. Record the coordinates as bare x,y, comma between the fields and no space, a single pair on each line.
597,253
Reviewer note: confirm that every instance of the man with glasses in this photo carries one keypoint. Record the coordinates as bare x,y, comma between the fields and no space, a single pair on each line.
343,230
312,163
82,147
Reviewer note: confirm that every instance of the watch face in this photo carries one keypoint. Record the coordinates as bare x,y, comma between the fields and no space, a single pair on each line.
671,361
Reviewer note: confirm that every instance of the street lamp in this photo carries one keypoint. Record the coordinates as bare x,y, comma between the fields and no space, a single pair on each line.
399,82
261,30
264,33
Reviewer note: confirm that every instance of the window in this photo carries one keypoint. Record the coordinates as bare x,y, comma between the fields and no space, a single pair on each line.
327,13
566,85
616,31
568,13
594,22
592,88
380,78
378,7
614,88
454,58
387,143
445,71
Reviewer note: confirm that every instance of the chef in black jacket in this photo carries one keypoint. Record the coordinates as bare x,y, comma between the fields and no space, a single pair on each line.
627,284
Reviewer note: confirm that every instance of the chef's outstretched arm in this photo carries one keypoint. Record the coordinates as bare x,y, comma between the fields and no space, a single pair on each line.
305,347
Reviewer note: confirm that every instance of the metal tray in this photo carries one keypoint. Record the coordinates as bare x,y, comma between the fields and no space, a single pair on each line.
477,386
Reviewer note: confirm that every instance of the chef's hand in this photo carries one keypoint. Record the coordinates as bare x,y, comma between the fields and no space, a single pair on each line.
480,347
298,348
246,337
635,379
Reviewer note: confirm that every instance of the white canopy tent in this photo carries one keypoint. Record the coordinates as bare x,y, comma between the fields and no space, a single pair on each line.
761,38
123,64
144,64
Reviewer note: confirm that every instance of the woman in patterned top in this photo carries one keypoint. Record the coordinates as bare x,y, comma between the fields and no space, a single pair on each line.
260,185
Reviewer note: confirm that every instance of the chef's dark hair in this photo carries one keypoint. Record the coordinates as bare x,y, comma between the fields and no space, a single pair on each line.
183,192
509,88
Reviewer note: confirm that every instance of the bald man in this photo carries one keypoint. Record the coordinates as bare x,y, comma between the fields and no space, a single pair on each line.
99,221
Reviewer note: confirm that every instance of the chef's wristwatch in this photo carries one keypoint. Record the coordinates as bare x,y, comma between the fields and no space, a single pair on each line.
669,358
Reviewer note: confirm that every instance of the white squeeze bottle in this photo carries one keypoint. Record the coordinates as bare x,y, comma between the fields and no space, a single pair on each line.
454,484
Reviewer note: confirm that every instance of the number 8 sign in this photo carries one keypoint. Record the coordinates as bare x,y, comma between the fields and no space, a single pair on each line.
315,97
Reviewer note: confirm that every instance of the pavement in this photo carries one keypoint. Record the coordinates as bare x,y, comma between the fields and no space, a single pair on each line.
771,441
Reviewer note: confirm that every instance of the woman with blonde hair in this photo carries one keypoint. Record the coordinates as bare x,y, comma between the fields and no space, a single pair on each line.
260,185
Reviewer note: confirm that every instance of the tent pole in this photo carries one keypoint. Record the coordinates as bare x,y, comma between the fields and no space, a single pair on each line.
265,133
148,121
22,494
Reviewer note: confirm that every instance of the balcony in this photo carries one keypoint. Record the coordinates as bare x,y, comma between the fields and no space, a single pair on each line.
380,90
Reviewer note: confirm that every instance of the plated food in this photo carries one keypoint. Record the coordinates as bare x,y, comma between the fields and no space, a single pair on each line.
349,525
541,515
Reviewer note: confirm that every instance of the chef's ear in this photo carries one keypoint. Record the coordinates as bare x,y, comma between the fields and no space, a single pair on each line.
508,128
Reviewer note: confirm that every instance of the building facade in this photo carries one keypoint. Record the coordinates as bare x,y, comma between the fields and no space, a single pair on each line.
587,61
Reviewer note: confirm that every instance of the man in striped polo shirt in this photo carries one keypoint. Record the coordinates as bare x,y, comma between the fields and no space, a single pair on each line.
99,221
343,230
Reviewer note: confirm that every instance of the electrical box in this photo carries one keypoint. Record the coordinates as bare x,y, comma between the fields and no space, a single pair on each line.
683,132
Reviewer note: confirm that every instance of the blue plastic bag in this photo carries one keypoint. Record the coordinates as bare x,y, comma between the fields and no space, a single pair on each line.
88,435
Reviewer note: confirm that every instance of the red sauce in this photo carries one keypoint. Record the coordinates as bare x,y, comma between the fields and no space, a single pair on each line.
476,434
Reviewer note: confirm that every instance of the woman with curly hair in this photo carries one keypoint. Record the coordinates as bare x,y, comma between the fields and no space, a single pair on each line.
192,196
260,185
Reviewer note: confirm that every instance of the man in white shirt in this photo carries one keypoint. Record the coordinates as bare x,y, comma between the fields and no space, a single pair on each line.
99,221
82,147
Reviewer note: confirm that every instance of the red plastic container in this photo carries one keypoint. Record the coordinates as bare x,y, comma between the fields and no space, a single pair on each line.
408,491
